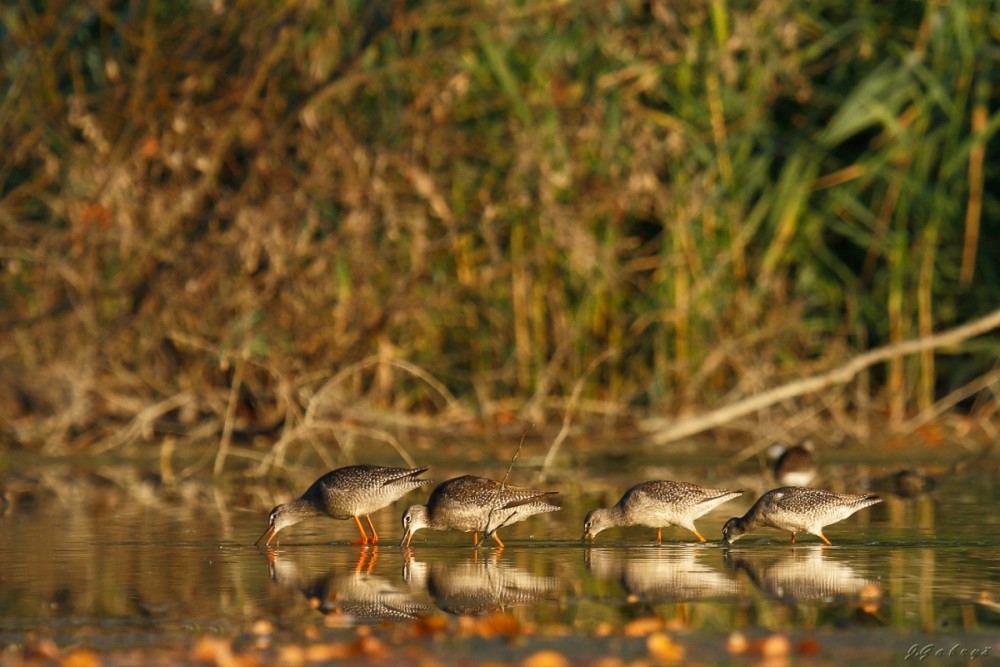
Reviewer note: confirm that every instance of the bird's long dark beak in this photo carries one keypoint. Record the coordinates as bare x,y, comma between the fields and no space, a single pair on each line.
407,536
587,537
269,534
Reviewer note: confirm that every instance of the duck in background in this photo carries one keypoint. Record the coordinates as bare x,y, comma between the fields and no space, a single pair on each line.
795,465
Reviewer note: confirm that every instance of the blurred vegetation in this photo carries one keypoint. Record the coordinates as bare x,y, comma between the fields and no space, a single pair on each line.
236,217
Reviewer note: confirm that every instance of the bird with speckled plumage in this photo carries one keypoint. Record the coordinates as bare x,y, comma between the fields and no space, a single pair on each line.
477,505
345,493
656,504
797,509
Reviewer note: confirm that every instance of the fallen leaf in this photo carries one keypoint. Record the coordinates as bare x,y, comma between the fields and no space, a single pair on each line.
372,647
430,626
215,651
641,627
604,629
81,658
329,651
663,649
808,646
775,646
609,661
262,627
546,659
45,649
291,656
500,624
871,598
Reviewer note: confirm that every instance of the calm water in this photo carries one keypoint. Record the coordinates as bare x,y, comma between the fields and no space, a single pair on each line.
124,574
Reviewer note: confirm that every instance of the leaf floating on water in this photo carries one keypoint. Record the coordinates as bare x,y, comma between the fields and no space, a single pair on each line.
40,649
808,646
604,629
81,658
371,646
871,598
430,626
291,656
774,646
663,649
546,659
501,624
737,643
330,651
263,627
609,661
215,651
641,627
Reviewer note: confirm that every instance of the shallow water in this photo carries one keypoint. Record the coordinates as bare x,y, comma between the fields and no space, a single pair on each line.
904,572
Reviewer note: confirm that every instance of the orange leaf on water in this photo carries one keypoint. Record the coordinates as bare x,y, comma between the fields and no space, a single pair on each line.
663,649
501,624
81,658
291,656
546,659
330,651
775,646
642,626
808,646
430,626
737,643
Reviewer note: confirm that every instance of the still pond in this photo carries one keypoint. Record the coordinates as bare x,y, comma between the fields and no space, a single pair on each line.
912,579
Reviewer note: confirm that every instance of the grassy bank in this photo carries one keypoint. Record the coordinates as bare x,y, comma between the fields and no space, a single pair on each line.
254,219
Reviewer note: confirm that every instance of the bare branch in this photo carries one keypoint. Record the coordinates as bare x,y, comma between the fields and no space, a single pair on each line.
665,430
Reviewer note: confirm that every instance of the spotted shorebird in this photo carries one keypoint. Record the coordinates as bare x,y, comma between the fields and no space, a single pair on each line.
797,509
475,504
346,493
657,504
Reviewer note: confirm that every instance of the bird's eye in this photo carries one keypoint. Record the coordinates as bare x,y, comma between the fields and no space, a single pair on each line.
406,520
586,525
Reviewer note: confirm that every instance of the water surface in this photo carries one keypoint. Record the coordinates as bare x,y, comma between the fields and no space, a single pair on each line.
111,576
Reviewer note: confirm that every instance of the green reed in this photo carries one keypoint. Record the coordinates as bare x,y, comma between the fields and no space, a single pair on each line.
728,195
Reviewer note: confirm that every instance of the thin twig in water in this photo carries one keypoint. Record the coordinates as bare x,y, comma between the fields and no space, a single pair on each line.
503,483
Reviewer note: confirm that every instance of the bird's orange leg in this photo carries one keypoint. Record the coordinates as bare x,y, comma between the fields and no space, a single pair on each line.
825,541
700,538
364,536
372,526
475,538
793,538
497,538
659,537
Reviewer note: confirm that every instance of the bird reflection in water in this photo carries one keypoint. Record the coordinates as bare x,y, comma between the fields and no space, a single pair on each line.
807,573
354,596
478,585
660,574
